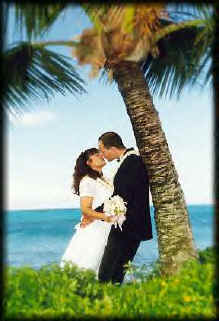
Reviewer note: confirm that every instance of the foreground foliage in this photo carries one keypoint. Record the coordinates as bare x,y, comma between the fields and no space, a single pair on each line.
51,292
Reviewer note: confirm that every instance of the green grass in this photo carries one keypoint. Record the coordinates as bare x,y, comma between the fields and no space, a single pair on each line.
54,293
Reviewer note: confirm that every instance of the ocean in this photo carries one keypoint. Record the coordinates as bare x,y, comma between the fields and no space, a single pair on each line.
39,237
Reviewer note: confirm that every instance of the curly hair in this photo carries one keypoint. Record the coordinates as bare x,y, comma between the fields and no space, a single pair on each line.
82,169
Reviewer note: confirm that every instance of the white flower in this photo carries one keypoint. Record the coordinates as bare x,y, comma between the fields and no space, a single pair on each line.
117,207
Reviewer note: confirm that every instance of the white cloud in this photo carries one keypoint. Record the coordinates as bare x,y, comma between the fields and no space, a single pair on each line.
33,118
24,195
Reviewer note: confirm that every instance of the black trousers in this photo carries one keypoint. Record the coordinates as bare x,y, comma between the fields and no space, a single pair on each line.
118,251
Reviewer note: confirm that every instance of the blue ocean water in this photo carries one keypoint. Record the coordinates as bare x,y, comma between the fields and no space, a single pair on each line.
39,237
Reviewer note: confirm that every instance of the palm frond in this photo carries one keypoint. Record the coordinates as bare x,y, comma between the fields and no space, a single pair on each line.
185,55
37,18
32,72
201,54
177,65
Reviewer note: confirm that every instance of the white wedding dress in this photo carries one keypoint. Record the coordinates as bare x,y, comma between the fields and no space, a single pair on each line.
87,245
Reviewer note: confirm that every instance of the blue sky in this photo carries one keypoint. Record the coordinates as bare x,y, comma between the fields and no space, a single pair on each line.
42,146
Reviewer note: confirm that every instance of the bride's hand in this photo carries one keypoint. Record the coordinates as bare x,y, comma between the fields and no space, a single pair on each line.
86,220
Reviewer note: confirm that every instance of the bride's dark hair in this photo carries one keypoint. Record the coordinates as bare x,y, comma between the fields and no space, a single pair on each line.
82,169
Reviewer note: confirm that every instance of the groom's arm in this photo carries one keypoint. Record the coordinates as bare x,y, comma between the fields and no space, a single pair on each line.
99,208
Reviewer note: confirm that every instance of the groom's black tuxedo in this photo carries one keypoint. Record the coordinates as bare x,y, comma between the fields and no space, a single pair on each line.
131,183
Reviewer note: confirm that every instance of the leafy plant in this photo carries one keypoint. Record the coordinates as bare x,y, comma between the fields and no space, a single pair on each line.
71,293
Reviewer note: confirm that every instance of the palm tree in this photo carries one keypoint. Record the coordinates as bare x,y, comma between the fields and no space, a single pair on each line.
141,47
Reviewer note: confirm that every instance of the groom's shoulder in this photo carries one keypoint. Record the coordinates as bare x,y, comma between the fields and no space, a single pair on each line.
132,160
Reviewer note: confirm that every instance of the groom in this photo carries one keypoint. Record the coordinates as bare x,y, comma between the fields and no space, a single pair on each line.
131,183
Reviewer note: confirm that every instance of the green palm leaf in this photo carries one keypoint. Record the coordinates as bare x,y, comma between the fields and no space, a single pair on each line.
179,64
38,18
32,72
205,38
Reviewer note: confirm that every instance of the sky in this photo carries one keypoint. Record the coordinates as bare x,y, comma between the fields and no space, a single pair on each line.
43,145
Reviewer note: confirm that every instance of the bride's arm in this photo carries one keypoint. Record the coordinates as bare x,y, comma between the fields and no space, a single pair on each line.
86,208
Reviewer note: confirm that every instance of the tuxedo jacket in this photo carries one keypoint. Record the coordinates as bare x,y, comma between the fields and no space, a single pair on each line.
131,183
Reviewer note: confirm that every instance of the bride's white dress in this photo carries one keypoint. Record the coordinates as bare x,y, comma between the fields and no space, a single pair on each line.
87,245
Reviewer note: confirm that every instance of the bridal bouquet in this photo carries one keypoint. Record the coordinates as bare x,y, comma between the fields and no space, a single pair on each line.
117,207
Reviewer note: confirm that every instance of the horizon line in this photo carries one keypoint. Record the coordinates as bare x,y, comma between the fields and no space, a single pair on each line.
78,208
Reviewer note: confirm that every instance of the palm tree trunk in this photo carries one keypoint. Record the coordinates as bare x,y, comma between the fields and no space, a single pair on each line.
175,240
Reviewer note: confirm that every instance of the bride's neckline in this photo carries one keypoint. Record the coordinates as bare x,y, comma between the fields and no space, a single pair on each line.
106,182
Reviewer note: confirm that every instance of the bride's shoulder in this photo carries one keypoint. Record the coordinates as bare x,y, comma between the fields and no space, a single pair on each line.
87,179
87,186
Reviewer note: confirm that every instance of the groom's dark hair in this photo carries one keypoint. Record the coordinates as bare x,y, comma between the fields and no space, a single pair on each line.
110,139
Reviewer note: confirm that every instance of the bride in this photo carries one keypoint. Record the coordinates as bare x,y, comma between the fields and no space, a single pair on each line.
86,247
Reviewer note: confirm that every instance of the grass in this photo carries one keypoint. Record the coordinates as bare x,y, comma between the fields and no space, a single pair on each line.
73,294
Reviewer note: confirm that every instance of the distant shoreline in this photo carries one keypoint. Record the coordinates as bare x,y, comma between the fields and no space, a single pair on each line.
77,208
